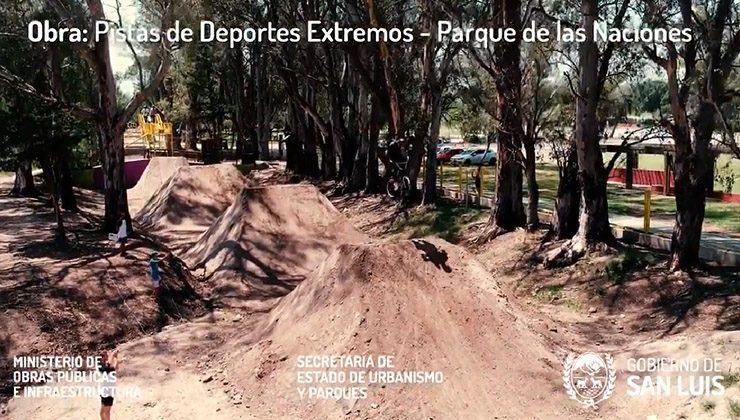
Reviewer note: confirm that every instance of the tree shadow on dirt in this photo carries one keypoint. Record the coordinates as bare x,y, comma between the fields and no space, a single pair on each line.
262,247
79,303
260,272
80,298
380,213
715,292
631,291
185,200
637,281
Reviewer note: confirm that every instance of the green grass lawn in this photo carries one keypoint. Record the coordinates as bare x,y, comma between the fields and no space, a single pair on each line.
621,201
547,178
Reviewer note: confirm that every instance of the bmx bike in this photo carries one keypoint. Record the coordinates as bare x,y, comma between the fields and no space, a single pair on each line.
399,185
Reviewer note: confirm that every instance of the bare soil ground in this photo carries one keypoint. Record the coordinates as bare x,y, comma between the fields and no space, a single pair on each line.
79,298
624,302
489,317
427,303
619,301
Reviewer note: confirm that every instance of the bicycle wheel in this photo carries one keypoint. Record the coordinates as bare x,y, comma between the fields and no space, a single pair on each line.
406,185
393,188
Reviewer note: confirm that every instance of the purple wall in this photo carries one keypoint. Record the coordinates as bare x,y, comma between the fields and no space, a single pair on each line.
132,172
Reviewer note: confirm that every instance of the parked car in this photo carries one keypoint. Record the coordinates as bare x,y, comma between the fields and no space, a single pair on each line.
447,153
474,157
465,157
487,158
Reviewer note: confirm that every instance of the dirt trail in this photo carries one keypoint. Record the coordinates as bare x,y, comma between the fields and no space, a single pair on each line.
188,203
267,241
157,172
165,368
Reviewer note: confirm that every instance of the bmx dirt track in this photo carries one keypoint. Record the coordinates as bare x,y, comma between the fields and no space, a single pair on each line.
158,171
290,276
427,303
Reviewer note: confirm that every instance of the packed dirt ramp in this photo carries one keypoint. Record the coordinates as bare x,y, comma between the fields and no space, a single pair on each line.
157,172
267,241
428,304
188,203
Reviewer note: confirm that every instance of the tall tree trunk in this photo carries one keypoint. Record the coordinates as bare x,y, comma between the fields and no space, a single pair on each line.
294,143
693,160
385,59
51,178
116,200
533,206
359,169
417,146
66,189
594,219
420,145
310,155
23,184
568,200
430,173
692,171
508,213
111,126
243,109
191,137
341,142
262,90
266,132
372,177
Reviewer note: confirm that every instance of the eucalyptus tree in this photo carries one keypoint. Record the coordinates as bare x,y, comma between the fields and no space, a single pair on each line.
590,64
697,71
109,119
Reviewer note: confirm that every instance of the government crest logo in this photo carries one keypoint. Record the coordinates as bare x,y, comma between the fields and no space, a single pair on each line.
589,378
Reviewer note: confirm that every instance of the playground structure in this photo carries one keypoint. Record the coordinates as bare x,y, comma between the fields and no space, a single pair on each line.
157,136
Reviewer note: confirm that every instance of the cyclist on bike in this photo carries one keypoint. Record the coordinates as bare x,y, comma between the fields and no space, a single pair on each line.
396,154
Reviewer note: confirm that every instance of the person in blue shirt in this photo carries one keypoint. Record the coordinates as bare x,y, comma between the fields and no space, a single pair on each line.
154,273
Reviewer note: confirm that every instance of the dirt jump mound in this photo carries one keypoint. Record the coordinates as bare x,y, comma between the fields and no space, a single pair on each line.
188,203
268,240
157,172
428,305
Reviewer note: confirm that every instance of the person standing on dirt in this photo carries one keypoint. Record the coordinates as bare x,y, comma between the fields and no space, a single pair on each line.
154,273
108,366
122,234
